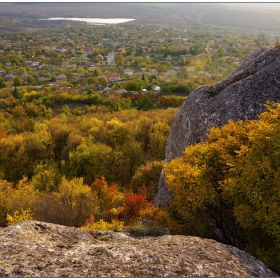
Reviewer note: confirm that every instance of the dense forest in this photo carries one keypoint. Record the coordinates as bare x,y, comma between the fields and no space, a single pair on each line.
46,153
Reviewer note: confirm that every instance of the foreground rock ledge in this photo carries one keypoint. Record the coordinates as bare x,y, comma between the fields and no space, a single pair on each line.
38,249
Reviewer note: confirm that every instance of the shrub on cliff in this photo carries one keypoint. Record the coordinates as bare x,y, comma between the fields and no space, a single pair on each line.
228,187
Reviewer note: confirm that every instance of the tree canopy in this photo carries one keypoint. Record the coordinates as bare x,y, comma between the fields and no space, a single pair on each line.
228,187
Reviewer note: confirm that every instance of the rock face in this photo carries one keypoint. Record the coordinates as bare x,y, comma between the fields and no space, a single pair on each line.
240,96
38,249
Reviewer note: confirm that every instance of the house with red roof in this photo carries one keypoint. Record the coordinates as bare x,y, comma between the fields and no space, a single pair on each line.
113,77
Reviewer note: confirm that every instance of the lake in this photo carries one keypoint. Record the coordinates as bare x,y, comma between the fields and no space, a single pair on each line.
95,21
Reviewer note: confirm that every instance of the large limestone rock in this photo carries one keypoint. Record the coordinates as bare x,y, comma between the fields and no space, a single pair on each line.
238,97
38,249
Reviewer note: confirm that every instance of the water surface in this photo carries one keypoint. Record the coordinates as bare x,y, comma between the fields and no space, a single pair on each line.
96,21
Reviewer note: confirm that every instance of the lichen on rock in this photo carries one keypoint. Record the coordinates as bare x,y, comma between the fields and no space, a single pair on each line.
38,249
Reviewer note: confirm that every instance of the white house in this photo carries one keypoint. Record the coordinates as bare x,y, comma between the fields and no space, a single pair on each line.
128,72
111,57
156,89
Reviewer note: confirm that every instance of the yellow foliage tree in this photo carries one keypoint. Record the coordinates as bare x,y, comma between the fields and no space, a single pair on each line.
15,199
20,216
73,203
228,187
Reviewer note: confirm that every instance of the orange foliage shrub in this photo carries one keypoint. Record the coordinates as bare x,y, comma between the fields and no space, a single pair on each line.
110,199
133,205
3,134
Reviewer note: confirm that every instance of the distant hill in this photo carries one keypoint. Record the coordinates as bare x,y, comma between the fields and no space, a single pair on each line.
173,14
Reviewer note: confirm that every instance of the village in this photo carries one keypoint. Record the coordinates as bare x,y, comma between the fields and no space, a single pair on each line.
112,59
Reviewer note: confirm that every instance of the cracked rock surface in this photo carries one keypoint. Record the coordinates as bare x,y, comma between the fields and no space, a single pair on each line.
39,249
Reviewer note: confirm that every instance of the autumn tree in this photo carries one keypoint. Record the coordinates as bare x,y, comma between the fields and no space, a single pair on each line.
110,199
227,187
90,160
21,197
46,177
133,204
2,83
71,205
158,137
145,179
18,81
103,80
119,59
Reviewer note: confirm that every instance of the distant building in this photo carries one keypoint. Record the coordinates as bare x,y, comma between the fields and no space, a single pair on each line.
156,89
88,50
107,90
128,72
169,58
191,68
65,64
172,72
113,77
111,57
164,78
61,78
35,65
9,78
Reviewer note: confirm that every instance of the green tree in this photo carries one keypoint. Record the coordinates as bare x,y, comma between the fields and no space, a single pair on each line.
90,161
2,83
21,71
31,80
46,177
146,104
18,81
97,72
132,86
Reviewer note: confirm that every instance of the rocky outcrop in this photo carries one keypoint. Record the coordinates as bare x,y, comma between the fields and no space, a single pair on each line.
38,249
240,96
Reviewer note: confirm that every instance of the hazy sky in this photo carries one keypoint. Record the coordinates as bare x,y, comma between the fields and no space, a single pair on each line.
273,6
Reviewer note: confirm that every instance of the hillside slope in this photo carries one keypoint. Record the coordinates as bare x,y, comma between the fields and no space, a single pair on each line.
171,14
